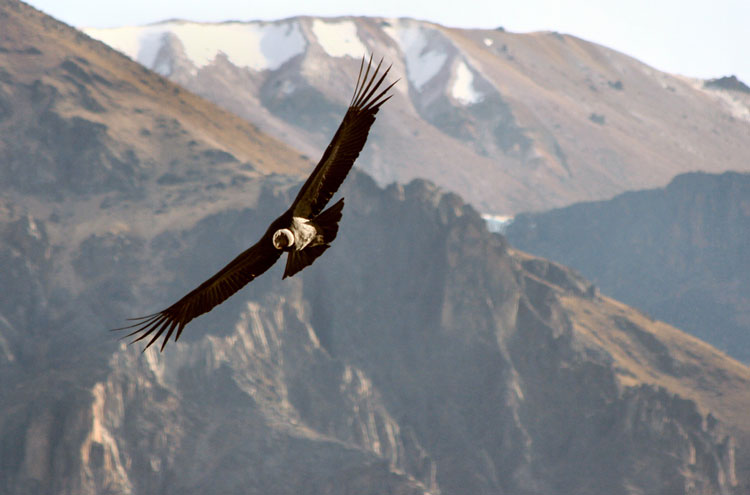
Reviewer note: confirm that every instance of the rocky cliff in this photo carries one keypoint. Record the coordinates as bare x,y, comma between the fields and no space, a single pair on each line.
420,355
423,357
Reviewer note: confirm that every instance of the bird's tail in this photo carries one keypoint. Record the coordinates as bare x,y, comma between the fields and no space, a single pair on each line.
327,224
328,221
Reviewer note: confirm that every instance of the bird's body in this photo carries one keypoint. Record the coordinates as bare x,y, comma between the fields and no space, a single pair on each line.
304,231
298,235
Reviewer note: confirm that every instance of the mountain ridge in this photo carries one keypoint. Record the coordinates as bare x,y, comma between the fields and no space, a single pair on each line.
677,252
515,122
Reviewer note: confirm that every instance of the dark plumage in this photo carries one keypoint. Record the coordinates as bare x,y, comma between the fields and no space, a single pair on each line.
304,231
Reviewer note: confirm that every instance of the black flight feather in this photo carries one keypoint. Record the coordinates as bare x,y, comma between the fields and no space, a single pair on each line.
346,144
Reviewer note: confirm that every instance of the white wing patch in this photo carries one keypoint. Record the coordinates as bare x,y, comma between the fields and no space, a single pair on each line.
304,233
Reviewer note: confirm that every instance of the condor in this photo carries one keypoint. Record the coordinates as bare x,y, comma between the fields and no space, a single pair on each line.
304,231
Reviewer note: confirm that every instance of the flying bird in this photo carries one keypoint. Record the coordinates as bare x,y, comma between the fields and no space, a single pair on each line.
304,231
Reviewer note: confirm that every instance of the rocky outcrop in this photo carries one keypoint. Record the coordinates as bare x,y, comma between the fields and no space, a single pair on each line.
728,82
423,356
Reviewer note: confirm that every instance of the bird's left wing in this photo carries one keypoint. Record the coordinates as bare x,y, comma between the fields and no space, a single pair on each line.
346,144
214,291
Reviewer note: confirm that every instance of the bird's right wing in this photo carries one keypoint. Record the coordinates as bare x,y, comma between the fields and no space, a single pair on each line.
339,156
214,291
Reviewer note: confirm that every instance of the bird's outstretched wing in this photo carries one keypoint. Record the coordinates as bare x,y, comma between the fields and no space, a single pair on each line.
348,141
214,291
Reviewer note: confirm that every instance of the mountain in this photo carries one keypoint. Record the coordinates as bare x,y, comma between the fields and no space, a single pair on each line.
679,253
74,118
418,356
512,122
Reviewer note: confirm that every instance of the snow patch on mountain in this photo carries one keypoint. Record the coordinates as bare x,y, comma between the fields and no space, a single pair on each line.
422,62
463,86
126,40
258,46
497,223
339,39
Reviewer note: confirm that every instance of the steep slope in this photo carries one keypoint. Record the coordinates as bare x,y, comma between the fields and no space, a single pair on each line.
466,366
679,253
512,122
76,117
417,356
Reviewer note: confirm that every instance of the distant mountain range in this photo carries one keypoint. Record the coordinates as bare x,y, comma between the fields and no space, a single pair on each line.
679,253
421,355
512,122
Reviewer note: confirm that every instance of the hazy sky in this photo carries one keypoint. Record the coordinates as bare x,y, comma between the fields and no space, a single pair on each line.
699,38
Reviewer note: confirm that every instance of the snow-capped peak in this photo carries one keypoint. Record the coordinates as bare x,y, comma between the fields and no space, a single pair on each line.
257,46
339,38
422,62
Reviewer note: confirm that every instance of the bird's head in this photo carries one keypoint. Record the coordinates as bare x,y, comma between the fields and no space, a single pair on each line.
283,238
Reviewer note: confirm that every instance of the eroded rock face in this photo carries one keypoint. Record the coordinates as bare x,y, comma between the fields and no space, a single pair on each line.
417,356
233,413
